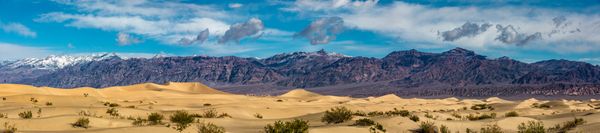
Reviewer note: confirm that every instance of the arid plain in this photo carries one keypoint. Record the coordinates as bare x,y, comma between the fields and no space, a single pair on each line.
55,110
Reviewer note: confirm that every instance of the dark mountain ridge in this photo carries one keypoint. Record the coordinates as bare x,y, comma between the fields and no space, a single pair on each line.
457,72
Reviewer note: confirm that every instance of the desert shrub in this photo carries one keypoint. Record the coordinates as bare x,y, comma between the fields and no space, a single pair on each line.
210,128
4,98
155,118
113,105
112,112
427,127
457,115
48,103
39,112
468,130
396,112
568,125
544,105
211,113
294,126
182,119
85,113
33,99
139,121
377,128
531,127
9,128
279,100
480,117
491,129
511,114
81,123
259,116
481,107
429,116
223,115
444,129
207,104
131,106
375,113
414,118
26,115
3,115
359,113
337,115
364,122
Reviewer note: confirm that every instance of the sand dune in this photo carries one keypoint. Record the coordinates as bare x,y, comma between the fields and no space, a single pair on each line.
143,99
300,93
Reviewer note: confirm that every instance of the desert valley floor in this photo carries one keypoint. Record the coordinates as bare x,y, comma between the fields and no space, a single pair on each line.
55,109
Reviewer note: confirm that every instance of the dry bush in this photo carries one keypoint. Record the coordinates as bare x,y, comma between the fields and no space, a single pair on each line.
427,127
364,122
26,115
511,114
531,127
155,118
294,126
377,128
337,115
182,119
259,116
9,128
81,123
491,129
210,128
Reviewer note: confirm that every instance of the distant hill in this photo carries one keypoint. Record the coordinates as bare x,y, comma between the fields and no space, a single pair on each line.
457,72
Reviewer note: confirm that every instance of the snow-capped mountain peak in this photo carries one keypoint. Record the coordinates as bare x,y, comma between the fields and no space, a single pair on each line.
57,61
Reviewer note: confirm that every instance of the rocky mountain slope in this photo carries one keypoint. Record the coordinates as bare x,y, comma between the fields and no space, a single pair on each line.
457,72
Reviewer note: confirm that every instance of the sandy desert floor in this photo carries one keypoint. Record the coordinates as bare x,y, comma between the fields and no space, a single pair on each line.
140,100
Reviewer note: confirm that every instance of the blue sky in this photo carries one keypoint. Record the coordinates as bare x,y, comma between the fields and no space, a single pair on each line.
528,31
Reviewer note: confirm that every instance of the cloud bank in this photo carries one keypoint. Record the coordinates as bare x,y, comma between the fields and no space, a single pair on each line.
202,36
418,25
126,39
167,22
466,30
322,30
238,31
18,29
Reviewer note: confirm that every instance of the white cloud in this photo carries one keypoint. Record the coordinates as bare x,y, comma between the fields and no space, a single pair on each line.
10,51
322,30
238,31
420,24
167,22
126,39
331,5
235,5
17,28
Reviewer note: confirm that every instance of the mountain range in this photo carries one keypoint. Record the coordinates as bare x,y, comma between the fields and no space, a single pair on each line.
458,72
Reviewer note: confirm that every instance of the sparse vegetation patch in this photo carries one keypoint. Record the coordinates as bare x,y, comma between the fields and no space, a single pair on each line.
294,126
81,123
337,115
364,122
182,120
210,128
531,127
26,115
